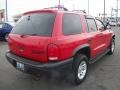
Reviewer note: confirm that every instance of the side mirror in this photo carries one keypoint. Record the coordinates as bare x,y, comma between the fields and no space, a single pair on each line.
107,25
102,29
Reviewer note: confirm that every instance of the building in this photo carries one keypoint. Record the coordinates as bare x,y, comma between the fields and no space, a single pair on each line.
2,15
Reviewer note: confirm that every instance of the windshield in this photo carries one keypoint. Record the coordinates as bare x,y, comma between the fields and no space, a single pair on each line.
1,25
35,24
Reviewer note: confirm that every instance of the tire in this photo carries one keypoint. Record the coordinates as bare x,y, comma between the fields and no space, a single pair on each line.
80,68
112,47
6,36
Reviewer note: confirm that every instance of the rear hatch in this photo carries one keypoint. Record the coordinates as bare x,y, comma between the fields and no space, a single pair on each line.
31,36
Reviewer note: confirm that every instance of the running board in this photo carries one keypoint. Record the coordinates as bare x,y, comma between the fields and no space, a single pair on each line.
98,57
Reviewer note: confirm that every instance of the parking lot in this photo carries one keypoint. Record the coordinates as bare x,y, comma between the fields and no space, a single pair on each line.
103,75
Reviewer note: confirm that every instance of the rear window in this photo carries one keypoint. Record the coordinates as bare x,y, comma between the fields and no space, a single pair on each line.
35,24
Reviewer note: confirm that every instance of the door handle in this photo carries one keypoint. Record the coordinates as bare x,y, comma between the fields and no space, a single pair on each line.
90,39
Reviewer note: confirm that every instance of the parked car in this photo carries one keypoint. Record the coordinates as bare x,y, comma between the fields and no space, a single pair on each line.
118,23
5,29
113,23
54,39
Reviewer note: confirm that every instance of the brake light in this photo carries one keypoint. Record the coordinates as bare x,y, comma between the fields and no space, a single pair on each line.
53,52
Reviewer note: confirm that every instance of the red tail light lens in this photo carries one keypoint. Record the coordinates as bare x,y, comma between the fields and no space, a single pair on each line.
53,52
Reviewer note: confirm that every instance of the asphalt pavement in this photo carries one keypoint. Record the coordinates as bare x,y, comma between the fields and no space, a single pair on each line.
103,75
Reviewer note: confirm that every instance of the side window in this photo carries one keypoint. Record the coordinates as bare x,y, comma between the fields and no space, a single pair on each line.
99,24
91,25
71,24
4,25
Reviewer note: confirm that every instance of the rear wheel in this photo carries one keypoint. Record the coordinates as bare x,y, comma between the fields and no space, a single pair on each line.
112,47
80,68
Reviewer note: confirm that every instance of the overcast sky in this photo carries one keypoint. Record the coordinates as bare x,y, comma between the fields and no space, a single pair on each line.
20,6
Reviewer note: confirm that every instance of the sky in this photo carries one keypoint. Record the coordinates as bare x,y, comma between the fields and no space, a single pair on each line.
95,6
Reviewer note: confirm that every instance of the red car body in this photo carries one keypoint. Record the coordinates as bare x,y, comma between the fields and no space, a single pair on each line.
59,47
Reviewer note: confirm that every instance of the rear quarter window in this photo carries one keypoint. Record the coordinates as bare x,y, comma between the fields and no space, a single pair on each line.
71,24
35,24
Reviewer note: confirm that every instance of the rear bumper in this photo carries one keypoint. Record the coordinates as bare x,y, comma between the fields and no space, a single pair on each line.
29,64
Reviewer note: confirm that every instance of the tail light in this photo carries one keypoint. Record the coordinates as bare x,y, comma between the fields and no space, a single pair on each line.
53,52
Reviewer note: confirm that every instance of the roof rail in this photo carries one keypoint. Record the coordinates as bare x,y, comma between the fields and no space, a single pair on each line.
80,11
58,8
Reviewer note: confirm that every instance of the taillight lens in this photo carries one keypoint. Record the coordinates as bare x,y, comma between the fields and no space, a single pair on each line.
53,52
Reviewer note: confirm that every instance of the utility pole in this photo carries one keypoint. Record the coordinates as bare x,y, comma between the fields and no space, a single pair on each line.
117,12
6,10
73,5
59,2
111,12
104,10
88,7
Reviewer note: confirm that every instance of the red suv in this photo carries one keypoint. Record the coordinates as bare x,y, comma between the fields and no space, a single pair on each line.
49,39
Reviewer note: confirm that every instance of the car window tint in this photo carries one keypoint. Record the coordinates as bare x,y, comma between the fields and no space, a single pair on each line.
39,24
91,25
71,24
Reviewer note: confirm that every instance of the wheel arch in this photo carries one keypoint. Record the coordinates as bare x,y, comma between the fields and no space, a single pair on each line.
83,49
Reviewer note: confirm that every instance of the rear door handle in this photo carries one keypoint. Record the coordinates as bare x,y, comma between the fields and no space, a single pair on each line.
90,39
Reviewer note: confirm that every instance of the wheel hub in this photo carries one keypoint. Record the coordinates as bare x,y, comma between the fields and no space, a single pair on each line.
113,46
82,70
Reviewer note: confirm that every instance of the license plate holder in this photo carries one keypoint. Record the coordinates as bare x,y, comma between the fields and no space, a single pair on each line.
20,66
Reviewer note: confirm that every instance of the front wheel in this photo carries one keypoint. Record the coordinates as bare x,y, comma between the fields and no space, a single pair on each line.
112,47
80,68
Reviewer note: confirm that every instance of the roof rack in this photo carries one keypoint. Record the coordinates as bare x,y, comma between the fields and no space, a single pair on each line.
58,8
80,11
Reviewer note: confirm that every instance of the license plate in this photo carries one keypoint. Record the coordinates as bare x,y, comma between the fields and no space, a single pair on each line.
20,66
